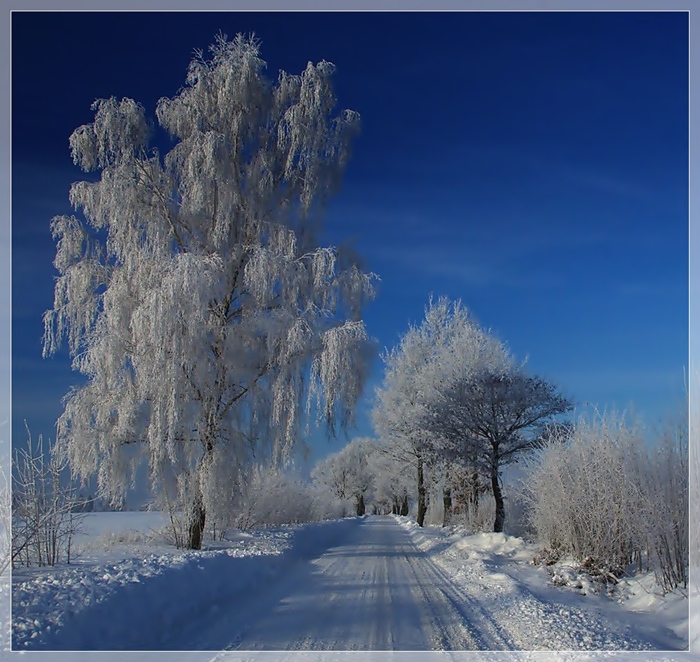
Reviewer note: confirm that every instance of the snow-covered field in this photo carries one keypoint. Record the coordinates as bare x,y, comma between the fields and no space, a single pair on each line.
130,590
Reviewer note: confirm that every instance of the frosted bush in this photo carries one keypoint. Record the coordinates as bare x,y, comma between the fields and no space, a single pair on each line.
667,504
585,492
45,512
601,495
271,497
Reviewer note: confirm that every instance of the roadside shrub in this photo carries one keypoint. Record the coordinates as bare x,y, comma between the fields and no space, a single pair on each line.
45,516
602,496
546,556
5,523
585,494
694,500
666,489
271,497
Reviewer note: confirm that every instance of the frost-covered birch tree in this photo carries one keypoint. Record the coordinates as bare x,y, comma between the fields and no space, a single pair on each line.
192,290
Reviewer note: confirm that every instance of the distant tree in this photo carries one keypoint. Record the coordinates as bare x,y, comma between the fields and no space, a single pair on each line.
392,479
347,474
333,476
271,497
397,409
193,292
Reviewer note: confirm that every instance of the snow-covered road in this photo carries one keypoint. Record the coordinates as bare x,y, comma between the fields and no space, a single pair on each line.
375,583
377,590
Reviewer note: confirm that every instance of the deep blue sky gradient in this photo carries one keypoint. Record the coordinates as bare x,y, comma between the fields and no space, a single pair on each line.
534,165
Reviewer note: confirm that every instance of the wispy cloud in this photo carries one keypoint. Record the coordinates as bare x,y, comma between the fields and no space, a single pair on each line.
599,179
483,255
602,181
650,290
464,269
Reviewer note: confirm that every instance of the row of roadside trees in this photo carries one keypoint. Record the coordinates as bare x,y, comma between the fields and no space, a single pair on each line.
454,398
455,408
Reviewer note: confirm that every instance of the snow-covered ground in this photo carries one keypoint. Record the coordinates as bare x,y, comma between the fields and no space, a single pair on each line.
125,575
555,608
354,583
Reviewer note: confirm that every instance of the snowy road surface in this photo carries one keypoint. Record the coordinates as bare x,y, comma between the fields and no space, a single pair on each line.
376,590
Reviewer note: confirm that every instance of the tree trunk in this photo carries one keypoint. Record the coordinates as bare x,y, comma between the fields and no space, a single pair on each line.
447,505
360,506
196,520
473,497
404,506
498,496
196,517
422,506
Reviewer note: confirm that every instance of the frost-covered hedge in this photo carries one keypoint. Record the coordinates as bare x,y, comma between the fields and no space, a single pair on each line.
603,496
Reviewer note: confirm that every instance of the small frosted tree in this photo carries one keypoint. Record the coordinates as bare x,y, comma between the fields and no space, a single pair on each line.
347,474
193,293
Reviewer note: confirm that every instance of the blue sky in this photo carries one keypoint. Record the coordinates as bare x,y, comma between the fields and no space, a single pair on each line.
534,165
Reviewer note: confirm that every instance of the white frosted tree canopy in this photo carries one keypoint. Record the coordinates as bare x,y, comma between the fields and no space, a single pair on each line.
192,290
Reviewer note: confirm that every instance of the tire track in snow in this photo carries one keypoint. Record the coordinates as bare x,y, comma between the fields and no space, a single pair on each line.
484,632
374,590
526,621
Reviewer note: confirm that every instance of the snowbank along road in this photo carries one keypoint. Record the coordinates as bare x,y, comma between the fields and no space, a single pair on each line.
376,590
